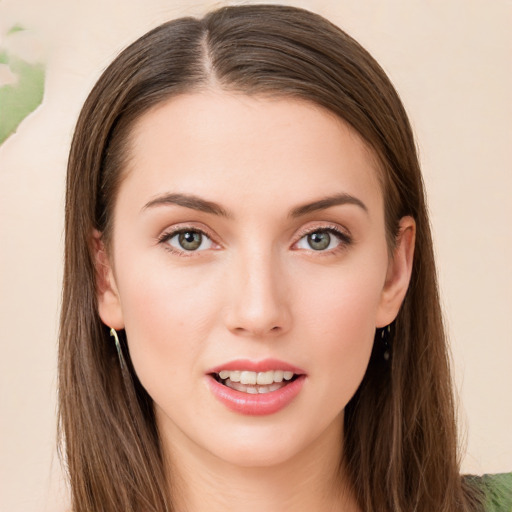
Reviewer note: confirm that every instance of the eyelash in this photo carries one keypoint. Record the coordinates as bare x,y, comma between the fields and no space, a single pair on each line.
169,235
345,239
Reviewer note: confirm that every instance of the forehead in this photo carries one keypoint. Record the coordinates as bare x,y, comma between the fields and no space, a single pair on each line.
235,146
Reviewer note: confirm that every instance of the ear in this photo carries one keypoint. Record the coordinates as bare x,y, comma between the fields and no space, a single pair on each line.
398,273
109,304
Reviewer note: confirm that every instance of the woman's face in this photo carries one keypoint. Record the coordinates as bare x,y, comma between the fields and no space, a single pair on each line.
249,237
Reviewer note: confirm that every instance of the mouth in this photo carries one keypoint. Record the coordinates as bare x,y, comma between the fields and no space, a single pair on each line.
256,388
255,383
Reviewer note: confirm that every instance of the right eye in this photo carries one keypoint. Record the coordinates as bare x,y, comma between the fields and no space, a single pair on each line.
188,240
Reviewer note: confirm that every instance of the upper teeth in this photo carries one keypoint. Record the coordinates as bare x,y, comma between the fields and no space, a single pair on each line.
262,378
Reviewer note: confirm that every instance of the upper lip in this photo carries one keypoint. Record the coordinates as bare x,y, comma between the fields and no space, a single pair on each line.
263,365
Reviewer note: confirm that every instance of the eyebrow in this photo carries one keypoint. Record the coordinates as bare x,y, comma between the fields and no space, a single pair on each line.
188,201
327,202
196,203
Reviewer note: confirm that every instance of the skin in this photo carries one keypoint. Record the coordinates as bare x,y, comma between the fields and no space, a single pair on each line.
258,290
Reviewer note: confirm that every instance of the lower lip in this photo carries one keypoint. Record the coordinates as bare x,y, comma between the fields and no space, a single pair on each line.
256,405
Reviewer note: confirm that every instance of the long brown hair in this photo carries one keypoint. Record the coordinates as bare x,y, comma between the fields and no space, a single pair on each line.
400,432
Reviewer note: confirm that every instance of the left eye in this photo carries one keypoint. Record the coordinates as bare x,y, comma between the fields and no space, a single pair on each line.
189,240
320,240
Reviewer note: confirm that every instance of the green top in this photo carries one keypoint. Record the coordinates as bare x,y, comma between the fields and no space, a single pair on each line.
498,492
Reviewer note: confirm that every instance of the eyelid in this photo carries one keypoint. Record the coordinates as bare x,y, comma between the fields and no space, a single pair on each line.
172,231
342,233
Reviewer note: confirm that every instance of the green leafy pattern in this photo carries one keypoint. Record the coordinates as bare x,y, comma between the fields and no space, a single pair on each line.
19,99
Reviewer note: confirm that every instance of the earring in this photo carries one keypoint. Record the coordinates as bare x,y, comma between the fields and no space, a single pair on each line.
113,333
385,339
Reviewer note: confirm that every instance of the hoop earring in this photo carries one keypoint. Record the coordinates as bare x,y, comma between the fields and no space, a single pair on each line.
113,333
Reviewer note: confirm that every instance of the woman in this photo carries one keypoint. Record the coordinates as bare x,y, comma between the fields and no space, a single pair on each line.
251,315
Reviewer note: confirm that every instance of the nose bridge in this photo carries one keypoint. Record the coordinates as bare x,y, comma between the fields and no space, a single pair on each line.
257,302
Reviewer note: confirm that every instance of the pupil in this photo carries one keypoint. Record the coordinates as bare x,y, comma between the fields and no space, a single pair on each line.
319,240
190,240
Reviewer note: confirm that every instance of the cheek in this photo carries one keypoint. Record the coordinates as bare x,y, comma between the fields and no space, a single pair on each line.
339,316
168,315
345,301
345,327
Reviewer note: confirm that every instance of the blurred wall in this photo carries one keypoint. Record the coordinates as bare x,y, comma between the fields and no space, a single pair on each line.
450,61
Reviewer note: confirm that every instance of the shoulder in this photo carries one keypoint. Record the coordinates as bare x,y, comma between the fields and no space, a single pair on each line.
497,490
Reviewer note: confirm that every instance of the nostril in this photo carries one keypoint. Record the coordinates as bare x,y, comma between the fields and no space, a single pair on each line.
257,331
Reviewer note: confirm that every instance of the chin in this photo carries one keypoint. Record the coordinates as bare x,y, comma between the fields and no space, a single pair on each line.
267,443
257,452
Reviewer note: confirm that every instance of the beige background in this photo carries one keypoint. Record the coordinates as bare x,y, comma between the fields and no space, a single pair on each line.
450,60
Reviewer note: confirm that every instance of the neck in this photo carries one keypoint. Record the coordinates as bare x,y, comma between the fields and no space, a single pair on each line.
312,480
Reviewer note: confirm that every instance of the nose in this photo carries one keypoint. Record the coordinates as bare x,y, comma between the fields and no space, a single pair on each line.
259,302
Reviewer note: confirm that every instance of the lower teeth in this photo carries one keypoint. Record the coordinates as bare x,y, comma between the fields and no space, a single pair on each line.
254,389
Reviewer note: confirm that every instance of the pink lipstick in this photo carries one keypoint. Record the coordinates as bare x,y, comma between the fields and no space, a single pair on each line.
255,387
